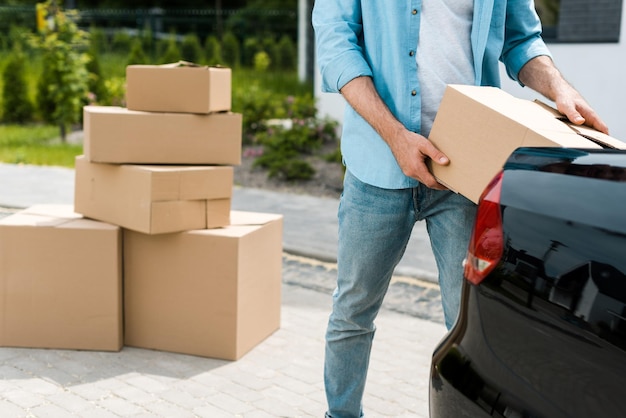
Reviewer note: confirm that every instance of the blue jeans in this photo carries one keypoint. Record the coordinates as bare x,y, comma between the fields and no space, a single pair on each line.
374,229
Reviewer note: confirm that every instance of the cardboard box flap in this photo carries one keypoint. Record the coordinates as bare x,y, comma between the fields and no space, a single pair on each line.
242,224
564,137
59,211
587,132
240,218
95,109
34,220
54,216
548,108
92,224
599,138
182,63
42,216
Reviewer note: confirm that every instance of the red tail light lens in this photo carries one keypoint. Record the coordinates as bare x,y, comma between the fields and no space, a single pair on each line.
486,244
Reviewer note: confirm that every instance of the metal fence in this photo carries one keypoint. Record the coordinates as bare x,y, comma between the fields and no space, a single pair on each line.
203,22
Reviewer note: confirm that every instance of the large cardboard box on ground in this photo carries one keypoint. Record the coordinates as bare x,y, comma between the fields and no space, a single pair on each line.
178,87
154,199
211,293
61,281
479,127
119,135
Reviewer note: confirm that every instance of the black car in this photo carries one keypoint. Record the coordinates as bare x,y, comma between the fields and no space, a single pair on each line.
542,327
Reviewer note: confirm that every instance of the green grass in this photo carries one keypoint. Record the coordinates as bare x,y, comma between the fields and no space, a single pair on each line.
36,144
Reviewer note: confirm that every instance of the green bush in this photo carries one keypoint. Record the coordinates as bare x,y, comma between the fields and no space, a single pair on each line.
286,54
335,156
115,91
231,52
4,42
137,54
191,49
212,51
63,85
121,42
18,36
261,61
300,107
261,100
148,43
16,105
251,46
285,166
257,104
285,147
98,40
171,53
96,85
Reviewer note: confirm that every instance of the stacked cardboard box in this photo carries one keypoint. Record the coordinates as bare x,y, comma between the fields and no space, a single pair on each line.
211,292
177,115
61,280
198,278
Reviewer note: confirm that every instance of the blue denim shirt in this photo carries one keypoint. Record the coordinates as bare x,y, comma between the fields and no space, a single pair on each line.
378,38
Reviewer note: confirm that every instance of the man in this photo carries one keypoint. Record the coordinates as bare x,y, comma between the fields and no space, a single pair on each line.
391,60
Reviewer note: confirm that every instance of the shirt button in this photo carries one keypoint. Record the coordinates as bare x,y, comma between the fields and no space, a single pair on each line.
413,93
414,11
411,53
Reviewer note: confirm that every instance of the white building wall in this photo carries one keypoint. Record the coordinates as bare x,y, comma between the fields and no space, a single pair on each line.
328,104
598,71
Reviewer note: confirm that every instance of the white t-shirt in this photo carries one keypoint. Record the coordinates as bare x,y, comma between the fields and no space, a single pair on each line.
444,52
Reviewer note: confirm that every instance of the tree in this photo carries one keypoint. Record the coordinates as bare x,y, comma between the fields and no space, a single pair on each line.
230,50
96,80
287,54
262,18
17,107
137,54
191,48
171,53
212,50
63,85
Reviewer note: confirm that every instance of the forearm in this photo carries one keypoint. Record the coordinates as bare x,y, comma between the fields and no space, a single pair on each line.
361,94
541,75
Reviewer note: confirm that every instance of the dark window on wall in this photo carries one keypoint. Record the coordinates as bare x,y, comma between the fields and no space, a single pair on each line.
580,21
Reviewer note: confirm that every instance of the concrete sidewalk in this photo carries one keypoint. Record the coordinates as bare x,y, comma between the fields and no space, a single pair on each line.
281,377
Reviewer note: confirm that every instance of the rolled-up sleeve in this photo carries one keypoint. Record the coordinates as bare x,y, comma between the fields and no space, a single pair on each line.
523,40
338,33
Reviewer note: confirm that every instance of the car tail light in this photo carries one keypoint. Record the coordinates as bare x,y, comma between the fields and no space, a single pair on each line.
486,243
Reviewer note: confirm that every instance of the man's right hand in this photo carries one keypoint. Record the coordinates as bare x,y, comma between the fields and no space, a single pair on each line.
411,150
